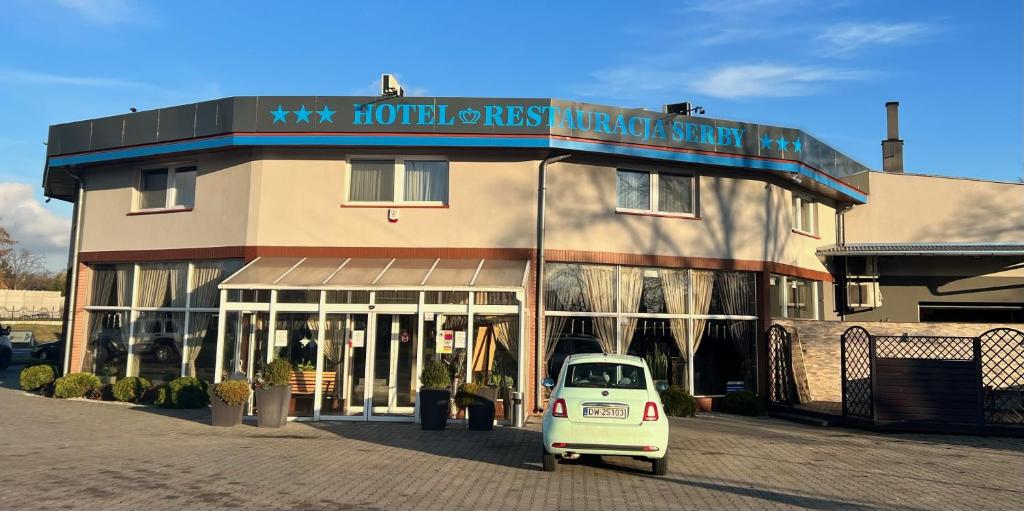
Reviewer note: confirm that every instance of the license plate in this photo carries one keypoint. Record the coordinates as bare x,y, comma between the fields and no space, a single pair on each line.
605,412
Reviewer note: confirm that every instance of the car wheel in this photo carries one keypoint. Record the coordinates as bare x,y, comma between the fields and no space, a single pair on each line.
164,353
5,359
659,466
549,461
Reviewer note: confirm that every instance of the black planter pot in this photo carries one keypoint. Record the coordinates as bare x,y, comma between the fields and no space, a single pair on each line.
225,415
434,408
481,412
272,406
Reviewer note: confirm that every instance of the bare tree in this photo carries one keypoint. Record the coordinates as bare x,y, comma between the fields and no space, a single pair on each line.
22,268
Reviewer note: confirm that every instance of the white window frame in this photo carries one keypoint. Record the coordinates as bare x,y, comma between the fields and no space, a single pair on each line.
399,180
816,290
172,189
654,176
799,201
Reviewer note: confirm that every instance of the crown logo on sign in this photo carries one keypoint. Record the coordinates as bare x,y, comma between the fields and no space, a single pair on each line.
469,115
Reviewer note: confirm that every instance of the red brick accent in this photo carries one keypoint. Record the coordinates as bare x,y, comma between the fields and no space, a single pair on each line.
81,318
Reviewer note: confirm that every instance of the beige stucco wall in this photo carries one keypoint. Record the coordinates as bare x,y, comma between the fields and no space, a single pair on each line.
295,197
739,219
219,218
917,208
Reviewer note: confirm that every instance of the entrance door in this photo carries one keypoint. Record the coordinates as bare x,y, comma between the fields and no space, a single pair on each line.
245,345
344,366
392,368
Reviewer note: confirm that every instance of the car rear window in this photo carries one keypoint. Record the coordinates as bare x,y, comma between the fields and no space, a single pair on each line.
605,375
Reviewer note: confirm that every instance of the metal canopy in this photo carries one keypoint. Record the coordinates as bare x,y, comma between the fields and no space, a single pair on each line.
352,273
926,248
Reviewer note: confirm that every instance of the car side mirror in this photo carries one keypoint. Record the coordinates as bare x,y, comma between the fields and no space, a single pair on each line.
548,382
661,387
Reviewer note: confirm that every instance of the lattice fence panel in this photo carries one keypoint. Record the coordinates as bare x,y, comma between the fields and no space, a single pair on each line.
924,347
857,372
780,374
1002,375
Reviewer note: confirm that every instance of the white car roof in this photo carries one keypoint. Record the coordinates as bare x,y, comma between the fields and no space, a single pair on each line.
601,357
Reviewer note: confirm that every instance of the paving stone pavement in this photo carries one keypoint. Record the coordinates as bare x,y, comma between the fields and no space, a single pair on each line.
86,455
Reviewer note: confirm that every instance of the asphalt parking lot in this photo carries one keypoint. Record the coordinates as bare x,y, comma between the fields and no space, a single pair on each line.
87,455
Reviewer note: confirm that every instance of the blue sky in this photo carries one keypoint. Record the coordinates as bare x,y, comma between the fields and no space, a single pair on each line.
826,67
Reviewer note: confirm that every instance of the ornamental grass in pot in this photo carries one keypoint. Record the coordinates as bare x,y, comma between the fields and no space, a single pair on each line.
227,401
273,394
435,396
479,403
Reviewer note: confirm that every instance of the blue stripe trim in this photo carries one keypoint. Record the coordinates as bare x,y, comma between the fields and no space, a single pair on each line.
463,141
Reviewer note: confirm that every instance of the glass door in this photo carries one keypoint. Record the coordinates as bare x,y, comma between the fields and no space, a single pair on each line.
344,366
392,369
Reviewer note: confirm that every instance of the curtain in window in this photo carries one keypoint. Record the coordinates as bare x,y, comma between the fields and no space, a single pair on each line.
204,286
102,285
185,186
124,285
334,356
673,285
736,293
426,181
675,193
631,286
198,324
703,283
372,181
599,292
633,189
506,333
153,282
553,326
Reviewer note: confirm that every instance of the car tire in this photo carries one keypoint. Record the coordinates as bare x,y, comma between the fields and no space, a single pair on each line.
5,359
549,461
659,466
163,353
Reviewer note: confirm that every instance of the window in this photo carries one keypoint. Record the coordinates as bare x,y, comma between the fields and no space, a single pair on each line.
791,297
167,188
422,181
655,192
605,375
805,215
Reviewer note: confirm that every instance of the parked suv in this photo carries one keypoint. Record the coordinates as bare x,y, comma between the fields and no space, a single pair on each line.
6,350
571,345
158,339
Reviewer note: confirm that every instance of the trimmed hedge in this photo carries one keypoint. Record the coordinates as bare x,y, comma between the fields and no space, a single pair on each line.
75,385
742,403
678,402
36,377
130,389
232,392
435,375
278,372
183,392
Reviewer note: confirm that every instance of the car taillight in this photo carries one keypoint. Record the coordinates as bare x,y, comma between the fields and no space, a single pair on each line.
558,409
651,411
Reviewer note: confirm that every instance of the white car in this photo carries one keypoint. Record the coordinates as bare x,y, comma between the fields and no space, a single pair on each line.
606,405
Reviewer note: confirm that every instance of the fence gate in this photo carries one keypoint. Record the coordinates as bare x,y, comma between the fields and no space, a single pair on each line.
1002,376
857,358
780,373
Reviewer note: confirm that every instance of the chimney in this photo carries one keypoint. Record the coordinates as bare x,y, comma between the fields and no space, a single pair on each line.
892,146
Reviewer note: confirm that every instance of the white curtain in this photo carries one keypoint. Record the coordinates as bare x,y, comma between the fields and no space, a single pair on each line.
426,181
673,285
197,329
702,282
599,292
204,286
372,181
102,285
506,333
633,189
124,290
675,193
153,283
631,286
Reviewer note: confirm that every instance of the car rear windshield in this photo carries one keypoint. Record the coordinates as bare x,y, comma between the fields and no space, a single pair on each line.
605,375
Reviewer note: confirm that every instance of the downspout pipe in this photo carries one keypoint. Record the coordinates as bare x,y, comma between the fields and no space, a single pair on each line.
71,288
542,191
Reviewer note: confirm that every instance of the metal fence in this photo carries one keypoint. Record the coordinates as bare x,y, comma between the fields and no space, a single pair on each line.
31,313
950,383
780,367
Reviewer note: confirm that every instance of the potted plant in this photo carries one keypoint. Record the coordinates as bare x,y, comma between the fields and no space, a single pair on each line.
227,401
273,393
657,362
435,398
479,403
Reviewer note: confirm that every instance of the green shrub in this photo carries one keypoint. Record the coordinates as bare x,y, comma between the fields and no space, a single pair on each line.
277,373
657,362
184,392
466,394
678,402
130,389
742,403
36,377
75,385
232,392
435,376
160,396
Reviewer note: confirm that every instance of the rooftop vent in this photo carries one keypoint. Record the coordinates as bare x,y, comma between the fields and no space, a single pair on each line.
892,146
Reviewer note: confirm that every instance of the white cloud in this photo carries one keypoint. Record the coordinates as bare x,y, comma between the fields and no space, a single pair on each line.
648,85
846,38
33,226
19,76
770,80
107,12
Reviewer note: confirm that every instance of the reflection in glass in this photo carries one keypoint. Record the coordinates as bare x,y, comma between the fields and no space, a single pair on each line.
106,355
295,338
724,352
158,345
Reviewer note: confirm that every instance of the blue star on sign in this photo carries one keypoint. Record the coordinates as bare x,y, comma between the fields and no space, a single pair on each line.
798,145
280,115
782,142
766,142
302,115
326,115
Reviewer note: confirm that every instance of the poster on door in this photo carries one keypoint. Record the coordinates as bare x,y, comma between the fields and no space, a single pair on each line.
445,342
